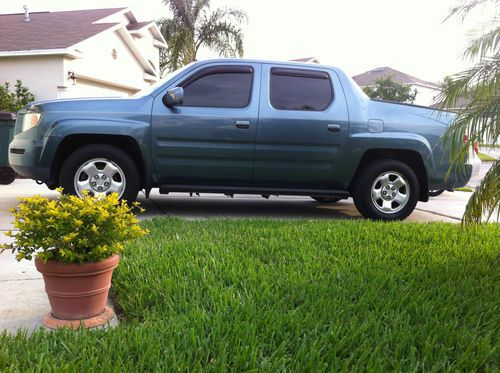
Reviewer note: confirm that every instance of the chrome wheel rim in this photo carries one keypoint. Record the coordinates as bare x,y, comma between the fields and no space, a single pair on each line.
390,192
99,177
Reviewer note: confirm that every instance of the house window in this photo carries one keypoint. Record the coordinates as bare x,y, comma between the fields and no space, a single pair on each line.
293,89
228,87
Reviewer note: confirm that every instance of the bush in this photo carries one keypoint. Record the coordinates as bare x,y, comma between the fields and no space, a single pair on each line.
70,229
15,101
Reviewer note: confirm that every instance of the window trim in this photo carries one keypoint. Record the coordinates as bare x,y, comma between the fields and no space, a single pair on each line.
221,69
300,73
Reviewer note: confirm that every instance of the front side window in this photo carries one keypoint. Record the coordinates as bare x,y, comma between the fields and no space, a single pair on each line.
219,87
293,89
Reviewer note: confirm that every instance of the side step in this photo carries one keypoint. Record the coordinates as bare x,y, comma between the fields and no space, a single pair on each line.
167,188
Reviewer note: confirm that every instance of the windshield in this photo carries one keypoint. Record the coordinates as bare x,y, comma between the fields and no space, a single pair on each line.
148,90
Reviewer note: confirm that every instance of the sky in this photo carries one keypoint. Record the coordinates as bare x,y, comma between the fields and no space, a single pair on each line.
355,35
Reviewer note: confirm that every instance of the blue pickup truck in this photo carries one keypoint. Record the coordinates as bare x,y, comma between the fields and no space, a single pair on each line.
243,127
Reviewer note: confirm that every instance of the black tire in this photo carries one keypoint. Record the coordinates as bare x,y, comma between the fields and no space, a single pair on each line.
326,199
368,175
104,151
435,193
7,175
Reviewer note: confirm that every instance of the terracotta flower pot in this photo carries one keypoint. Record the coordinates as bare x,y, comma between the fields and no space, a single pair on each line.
77,291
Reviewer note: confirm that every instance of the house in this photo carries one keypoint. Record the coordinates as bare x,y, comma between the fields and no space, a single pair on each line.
426,91
81,53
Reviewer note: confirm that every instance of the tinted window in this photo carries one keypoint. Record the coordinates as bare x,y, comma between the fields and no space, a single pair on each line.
220,88
300,90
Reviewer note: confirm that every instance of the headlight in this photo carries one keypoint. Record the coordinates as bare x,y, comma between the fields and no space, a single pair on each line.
30,120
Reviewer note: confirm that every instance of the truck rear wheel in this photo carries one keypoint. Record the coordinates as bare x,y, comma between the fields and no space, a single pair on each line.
100,169
386,190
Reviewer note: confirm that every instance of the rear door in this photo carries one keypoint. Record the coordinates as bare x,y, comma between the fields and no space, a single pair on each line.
303,121
210,138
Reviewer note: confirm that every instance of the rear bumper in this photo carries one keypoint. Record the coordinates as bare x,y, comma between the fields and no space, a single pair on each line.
475,163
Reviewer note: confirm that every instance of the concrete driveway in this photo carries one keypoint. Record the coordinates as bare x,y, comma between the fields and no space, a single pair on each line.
23,301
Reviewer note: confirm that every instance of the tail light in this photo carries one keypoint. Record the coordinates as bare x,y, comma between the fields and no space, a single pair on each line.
475,146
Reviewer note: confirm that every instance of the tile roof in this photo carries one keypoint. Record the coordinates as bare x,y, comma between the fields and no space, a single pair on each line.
51,30
369,77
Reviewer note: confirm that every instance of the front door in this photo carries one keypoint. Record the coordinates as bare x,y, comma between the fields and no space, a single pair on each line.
210,138
303,121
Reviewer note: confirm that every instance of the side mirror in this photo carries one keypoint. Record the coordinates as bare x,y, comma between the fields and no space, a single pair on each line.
173,97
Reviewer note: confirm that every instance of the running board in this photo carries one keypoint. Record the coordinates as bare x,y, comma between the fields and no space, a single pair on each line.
167,188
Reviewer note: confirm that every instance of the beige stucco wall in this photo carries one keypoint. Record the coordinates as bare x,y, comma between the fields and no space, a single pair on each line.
425,95
97,62
89,88
145,45
41,74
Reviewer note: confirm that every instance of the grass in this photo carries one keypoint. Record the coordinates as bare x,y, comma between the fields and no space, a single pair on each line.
490,146
485,157
263,295
464,189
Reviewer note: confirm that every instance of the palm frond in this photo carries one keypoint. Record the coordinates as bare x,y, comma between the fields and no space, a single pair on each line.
485,201
198,6
462,9
484,45
180,49
221,32
181,12
479,119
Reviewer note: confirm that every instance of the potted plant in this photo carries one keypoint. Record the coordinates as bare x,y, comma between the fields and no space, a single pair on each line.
76,245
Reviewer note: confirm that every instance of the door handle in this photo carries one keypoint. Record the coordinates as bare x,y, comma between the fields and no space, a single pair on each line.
242,124
333,127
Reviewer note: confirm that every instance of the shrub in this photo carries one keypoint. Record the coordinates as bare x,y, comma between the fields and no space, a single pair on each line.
15,101
70,229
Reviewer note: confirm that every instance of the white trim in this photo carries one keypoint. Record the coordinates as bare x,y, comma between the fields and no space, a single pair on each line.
159,44
43,52
128,39
150,78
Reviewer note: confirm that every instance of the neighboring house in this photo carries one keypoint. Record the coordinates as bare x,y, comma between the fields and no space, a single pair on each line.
426,91
307,60
81,53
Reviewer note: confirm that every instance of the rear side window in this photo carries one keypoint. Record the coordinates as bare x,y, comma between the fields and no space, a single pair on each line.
225,87
293,89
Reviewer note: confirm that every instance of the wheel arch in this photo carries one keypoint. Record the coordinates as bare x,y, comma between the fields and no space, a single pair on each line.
411,158
128,144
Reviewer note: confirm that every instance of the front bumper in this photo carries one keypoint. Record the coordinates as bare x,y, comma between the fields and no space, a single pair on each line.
25,159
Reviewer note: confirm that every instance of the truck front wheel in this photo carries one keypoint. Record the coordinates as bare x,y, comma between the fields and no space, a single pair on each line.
386,190
100,169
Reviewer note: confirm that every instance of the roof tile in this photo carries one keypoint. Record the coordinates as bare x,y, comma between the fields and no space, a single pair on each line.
51,30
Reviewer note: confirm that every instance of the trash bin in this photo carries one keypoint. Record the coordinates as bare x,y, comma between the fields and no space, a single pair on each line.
7,123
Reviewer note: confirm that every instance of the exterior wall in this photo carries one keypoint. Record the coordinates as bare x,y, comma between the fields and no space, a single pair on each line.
425,95
88,88
145,45
41,74
98,63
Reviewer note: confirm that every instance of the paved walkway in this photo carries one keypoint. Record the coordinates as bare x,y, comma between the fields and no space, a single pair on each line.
22,297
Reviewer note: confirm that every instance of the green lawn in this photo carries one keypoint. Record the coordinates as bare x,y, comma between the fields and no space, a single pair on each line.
485,157
263,295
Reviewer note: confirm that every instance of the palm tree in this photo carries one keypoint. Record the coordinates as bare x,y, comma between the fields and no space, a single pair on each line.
478,120
193,26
